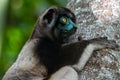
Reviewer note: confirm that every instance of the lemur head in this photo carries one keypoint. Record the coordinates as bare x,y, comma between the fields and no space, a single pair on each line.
56,23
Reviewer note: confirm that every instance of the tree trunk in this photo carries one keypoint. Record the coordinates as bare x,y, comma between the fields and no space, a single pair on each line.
99,18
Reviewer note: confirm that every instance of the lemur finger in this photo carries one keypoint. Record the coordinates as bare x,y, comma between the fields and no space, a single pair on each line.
112,44
99,38
103,42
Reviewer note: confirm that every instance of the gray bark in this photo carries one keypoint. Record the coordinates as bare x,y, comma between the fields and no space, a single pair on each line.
99,18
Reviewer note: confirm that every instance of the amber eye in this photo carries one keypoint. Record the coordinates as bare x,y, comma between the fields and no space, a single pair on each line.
64,20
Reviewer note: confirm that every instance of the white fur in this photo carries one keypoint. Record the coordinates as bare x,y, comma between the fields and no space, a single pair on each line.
65,73
26,59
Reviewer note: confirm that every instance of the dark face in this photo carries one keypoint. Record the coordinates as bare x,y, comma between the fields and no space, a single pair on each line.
57,23
64,28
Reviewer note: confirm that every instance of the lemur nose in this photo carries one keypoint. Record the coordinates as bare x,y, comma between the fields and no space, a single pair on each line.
74,25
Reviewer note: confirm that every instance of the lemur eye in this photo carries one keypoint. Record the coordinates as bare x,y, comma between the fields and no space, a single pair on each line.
63,20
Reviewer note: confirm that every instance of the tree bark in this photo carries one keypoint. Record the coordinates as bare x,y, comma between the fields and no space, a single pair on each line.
99,18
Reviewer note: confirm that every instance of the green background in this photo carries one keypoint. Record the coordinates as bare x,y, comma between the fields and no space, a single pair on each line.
17,19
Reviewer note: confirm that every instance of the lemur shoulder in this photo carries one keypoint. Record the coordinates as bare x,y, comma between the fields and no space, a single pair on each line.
46,53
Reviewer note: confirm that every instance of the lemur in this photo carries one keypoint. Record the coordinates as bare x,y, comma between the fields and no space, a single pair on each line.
48,55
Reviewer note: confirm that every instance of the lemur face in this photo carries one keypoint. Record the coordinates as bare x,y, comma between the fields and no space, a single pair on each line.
65,24
57,23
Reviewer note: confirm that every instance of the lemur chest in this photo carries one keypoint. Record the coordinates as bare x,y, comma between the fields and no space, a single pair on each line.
48,54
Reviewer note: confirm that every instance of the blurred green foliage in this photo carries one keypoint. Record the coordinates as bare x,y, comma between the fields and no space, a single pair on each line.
20,17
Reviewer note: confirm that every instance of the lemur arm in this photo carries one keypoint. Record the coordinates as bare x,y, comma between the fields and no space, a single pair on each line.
81,51
80,56
94,44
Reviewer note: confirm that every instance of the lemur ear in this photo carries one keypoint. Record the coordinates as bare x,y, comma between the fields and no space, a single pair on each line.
49,17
